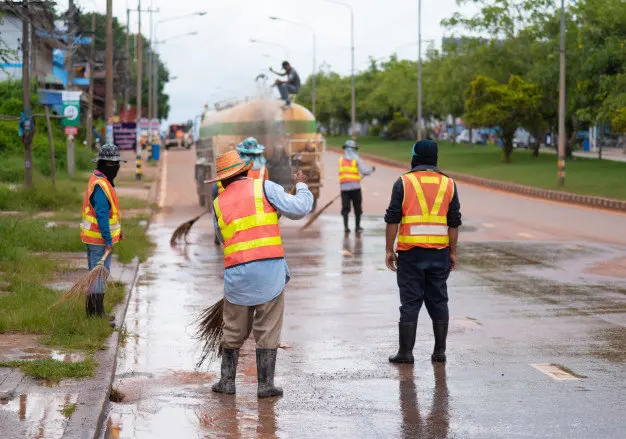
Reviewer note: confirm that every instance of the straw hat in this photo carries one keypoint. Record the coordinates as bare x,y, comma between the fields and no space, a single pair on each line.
228,165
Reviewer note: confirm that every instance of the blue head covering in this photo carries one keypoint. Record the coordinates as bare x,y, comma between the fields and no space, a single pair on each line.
424,152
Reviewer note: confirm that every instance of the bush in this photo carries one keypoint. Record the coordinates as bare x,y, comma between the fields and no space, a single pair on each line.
399,128
375,130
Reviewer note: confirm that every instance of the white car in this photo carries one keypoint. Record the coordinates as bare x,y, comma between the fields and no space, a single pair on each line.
464,137
522,139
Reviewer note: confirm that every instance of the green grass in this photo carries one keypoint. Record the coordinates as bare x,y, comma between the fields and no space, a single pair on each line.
54,370
27,309
583,176
68,410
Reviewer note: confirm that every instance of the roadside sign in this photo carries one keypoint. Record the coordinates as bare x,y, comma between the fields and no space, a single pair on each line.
71,131
125,135
155,125
144,123
71,108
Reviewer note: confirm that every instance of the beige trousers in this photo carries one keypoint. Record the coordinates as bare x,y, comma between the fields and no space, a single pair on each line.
265,321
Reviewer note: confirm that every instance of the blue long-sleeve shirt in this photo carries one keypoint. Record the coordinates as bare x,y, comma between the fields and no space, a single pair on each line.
363,170
259,282
101,205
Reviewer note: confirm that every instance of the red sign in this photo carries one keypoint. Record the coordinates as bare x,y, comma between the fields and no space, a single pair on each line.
71,131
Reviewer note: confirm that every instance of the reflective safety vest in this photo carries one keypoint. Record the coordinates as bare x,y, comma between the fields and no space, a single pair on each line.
89,230
261,173
248,223
220,188
427,197
348,171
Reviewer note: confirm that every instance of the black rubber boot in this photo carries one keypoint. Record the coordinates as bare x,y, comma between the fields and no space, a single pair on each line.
407,332
90,305
440,329
226,384
358,224
346,229
99,300
266,366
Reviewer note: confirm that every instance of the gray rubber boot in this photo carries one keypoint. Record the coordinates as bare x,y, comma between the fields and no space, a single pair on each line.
266,366
406,332
440,330
90,304
226,384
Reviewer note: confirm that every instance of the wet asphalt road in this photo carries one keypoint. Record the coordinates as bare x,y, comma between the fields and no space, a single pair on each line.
516,301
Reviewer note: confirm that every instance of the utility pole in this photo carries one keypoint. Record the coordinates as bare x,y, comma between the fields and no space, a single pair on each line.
149,73
91,77
71,32
109,73
419,69
139,92
128,71
561,151
28,129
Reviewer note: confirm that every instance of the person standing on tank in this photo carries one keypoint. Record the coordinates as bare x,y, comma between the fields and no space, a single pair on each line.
424,214
350,171
290,86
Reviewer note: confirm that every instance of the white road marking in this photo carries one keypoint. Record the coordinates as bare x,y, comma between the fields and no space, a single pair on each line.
163,180
555,372
526,235
375,194
488,225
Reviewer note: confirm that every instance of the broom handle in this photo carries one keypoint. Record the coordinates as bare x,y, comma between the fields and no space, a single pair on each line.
104,257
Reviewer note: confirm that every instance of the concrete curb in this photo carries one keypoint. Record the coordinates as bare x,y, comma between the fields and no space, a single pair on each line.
529,191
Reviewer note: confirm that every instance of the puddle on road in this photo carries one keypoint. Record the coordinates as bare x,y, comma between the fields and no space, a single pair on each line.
40,415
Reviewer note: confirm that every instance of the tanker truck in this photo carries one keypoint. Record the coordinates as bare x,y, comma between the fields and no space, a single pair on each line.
289,135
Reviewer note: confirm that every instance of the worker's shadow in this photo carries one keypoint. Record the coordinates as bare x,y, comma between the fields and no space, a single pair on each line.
437,424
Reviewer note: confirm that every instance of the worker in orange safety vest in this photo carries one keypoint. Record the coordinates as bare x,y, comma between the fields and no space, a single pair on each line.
350,171
245,219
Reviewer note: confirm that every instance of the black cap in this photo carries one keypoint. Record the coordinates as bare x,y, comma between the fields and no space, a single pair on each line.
425,153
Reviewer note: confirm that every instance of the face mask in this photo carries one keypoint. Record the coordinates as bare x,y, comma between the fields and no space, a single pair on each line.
109,169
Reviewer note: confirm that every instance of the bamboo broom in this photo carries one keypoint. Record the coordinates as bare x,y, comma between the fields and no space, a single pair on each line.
184,229
317,214
85,284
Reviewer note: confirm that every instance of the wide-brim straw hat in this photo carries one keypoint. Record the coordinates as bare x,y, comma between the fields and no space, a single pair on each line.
228,165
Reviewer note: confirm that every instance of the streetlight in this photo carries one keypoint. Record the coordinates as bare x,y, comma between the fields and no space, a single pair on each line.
269,43
306,26
561,159
154,94
419,70
353,112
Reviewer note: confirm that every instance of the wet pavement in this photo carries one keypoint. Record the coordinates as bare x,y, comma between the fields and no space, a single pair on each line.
536,345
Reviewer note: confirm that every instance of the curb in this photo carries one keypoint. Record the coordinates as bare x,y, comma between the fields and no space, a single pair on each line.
528,191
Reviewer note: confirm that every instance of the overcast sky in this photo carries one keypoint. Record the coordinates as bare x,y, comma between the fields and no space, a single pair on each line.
220,62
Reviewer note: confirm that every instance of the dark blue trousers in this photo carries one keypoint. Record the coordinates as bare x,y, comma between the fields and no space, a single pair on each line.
422,275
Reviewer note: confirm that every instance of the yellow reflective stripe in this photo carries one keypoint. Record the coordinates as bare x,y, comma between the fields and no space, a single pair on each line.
423,239
94,220
258,197
420,193
248,222
429,180
442,191
218,214
435,219
93,234
249,245
105,188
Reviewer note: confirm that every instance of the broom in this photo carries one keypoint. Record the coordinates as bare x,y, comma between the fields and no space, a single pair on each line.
84,285
317,214
184,229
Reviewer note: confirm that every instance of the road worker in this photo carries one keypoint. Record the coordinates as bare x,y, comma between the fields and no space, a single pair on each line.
424,214
350,171
101,226
245,219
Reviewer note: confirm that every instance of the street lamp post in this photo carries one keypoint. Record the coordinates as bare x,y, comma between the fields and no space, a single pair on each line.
419,69
314,77
353,108
561,155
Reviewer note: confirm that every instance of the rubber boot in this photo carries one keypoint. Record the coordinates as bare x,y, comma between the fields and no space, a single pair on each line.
358,224
99,298
226,384
407,332
346,229
440,329
266,366
90,305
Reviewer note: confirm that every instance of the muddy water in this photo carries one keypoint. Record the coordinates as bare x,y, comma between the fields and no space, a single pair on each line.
340,326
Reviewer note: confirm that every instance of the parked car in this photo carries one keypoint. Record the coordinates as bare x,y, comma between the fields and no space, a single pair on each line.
523,139
464,137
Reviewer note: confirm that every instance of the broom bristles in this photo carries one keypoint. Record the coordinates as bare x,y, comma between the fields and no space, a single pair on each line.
184,229
209,332
85,284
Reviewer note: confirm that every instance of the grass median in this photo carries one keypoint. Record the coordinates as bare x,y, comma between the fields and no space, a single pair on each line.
584,176
44,224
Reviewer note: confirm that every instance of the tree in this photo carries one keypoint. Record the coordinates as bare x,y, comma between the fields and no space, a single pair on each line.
503,106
